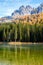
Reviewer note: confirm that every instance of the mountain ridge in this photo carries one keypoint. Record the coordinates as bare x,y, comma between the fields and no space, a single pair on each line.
28,10
22,11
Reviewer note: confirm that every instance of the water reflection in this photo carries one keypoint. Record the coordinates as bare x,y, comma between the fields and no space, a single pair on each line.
4,63
21,55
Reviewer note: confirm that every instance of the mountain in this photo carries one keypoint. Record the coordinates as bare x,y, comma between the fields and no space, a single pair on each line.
6,19
37,10
28,10
40,8
23,11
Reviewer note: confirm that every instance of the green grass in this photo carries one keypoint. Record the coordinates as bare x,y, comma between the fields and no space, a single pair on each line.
28,55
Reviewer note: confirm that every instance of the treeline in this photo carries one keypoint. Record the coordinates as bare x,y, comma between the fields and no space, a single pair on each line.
21,32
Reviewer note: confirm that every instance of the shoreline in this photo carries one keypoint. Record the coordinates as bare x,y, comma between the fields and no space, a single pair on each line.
21,43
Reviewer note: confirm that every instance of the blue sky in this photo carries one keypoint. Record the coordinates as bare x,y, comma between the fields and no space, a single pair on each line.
8,6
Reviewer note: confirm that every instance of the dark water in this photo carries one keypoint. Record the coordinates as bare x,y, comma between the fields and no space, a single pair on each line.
21,54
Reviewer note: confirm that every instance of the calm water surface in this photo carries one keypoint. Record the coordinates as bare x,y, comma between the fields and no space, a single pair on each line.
21,55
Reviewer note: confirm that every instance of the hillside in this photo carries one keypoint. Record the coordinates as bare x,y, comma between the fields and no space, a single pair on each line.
31,19
25,14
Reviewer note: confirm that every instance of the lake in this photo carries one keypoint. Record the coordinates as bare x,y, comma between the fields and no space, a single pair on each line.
28,54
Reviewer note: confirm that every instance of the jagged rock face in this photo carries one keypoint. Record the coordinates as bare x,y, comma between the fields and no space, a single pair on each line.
28,10
34,11
16,12
39,9
23,10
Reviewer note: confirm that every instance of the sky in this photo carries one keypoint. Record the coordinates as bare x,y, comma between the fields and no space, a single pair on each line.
8,6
